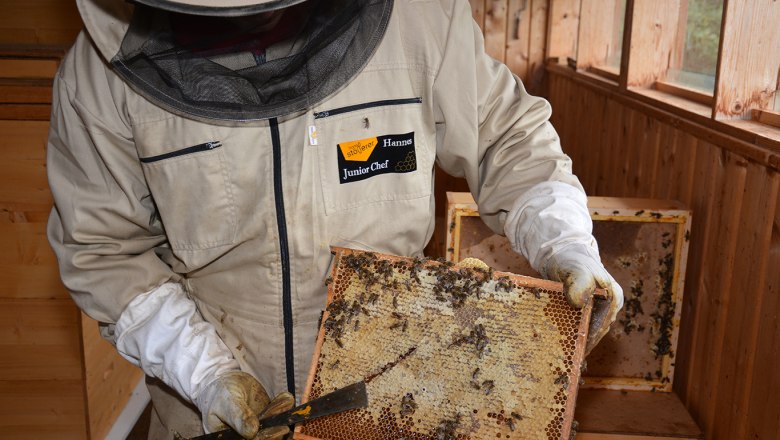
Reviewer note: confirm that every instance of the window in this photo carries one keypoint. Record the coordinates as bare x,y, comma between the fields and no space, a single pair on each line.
696,52
601,31
709,59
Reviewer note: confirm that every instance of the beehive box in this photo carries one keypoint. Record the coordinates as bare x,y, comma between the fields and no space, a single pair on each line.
447,352
644,245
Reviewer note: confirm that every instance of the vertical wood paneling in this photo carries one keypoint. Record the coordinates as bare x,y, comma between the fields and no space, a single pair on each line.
579,108
518,34
684,166
763,408
606,164
720,275
478,12
700,204
641,135
538,45
495,28
595,138
705,242
684,179
563,24
647,167
665,157
625,148
729,346
741,322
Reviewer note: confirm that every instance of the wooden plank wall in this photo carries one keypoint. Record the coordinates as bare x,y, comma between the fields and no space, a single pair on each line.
729,349
34,23
515,32
58,378
41,377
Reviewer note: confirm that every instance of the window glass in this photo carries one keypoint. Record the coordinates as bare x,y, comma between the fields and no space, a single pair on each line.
698,58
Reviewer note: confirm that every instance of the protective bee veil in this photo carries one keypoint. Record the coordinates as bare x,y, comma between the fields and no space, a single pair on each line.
249,67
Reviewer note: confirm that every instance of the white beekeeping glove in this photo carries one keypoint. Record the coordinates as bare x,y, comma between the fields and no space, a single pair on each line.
550,225
162,332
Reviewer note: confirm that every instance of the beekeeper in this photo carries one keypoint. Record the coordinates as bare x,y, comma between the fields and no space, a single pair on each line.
205,155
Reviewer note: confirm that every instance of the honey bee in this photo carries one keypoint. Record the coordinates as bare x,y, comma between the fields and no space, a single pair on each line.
487,386
408,405
446,429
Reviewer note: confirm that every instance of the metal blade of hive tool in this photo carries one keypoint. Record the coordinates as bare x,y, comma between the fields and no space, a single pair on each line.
350,397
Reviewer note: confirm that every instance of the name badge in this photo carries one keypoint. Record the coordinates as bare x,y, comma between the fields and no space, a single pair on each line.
366,158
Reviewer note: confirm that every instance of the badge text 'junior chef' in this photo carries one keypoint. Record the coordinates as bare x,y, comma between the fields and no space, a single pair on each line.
365,158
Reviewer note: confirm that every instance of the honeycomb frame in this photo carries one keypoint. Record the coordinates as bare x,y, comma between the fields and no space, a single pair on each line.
446,351
644,246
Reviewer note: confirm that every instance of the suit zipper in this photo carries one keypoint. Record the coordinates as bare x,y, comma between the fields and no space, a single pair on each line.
365,105
184,151
284,255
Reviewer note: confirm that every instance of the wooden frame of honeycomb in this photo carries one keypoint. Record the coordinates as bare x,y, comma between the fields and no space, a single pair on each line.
644,245
447,352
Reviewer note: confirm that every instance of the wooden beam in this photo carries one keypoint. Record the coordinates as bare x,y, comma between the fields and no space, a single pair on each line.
749,60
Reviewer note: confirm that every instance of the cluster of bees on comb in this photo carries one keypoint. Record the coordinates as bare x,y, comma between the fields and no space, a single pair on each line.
382,296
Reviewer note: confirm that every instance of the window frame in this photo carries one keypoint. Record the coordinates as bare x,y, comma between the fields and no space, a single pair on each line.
744,103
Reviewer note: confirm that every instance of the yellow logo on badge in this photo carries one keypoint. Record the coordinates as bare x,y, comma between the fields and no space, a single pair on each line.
358,151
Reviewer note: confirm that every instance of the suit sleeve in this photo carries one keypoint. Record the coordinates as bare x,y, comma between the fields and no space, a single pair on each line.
103,227
489,129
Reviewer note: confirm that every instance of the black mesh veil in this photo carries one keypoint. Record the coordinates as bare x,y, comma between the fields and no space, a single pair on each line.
225,78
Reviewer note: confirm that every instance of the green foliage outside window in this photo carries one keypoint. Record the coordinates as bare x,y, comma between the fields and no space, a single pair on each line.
702,36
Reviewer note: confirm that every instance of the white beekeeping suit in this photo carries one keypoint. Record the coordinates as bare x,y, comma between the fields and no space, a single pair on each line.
204,156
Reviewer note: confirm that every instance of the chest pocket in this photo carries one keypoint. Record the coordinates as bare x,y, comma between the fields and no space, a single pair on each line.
193,192
374,152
